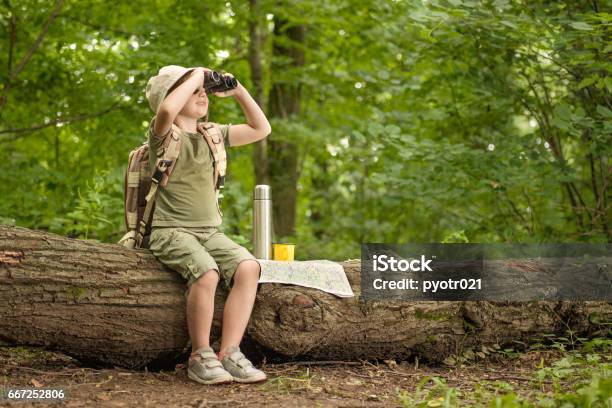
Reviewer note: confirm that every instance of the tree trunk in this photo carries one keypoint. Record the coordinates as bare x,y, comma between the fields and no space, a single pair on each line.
256,25
106,304
284,103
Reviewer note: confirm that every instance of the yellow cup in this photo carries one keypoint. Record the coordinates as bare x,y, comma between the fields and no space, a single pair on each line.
283,252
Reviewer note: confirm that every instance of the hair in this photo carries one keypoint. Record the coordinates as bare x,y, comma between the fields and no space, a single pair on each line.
178,83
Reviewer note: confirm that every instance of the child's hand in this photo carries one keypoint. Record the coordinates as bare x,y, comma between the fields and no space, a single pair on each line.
231,92
200,71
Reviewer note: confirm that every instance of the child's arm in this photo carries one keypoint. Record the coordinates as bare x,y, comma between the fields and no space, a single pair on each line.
174,102
257,126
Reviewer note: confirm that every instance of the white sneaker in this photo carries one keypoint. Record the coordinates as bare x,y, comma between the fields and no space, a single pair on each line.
206,368
240,368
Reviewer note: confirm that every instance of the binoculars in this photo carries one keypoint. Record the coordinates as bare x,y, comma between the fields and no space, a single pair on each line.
215,82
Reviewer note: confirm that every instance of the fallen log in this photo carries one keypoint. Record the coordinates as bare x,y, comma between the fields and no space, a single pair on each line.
103,303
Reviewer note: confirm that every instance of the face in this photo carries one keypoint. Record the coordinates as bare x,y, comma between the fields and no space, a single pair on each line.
197,104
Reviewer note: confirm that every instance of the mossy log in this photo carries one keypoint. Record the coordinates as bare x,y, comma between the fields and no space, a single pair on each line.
106,304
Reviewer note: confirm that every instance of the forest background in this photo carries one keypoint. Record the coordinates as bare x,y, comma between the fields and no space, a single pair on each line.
393,121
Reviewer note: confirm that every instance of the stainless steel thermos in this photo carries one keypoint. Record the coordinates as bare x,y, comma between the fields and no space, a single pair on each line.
262,222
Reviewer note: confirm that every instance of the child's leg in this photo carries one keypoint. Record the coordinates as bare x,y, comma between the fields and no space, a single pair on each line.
180,250
239,304
200,308
238,266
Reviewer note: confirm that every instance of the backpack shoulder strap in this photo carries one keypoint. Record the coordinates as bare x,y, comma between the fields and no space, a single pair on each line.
169,152
214,138
139,179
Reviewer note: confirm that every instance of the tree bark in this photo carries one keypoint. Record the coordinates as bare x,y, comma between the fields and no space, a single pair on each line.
284,103
256,25
102,303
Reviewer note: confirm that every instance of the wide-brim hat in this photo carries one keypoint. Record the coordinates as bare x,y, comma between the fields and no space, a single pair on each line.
158,86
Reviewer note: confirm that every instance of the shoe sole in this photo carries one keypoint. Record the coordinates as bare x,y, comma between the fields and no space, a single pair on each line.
218,380
250,380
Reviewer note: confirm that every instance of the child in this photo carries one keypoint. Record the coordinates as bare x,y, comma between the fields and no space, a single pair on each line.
184,232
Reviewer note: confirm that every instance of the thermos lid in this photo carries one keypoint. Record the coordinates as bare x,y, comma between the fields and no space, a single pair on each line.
262,192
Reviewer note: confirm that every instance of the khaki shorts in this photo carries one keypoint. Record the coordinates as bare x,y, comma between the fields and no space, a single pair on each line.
193,251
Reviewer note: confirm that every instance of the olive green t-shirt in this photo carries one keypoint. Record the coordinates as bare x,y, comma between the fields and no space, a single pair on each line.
189,198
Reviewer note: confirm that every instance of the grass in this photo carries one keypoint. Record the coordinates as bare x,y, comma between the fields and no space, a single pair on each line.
580,377
287,385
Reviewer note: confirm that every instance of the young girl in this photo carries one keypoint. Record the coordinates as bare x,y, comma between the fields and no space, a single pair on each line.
184,232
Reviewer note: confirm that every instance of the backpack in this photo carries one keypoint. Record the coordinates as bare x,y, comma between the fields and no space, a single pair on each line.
141,183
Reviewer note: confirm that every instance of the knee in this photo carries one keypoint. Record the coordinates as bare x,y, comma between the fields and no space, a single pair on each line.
247,272
207,281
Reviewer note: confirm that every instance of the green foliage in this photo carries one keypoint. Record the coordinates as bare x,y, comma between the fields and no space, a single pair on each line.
420,121
98,209
578,379
440,395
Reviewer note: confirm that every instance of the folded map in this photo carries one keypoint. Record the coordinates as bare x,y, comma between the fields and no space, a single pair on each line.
324,275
